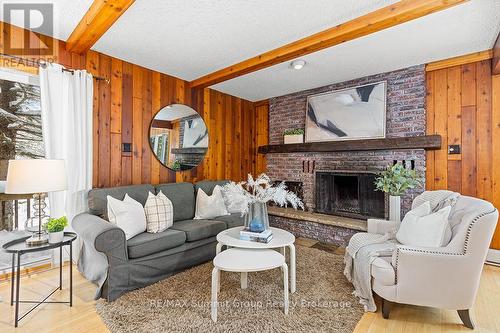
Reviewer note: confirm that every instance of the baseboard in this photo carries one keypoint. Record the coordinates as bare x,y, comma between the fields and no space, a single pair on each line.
493,257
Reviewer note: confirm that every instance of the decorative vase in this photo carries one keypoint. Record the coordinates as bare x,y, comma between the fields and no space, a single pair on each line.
395,208
257,220
56,237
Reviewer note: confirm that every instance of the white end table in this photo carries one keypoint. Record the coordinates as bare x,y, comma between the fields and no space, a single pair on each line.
281,239
244,261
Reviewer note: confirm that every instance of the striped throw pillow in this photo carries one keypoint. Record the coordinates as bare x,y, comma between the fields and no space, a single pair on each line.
159,213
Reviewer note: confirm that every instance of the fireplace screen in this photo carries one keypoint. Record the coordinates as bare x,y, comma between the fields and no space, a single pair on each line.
349,194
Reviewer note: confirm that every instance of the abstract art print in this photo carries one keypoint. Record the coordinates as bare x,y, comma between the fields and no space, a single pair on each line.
347,114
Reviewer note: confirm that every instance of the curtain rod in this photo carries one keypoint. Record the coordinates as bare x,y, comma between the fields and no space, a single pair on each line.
42,63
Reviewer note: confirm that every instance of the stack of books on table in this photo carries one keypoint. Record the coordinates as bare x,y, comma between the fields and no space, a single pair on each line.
260,237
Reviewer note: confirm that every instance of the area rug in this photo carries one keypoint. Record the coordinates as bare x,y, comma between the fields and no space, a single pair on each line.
323,301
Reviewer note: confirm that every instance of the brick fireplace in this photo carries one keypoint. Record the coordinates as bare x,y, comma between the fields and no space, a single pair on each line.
405,117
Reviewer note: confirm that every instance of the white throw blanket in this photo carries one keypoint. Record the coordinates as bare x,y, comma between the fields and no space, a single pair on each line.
358,271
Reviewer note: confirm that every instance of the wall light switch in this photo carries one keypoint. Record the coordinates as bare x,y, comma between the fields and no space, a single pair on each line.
126,147
453,149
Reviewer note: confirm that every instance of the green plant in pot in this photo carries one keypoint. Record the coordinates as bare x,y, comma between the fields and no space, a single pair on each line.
55,228
396,181
295,135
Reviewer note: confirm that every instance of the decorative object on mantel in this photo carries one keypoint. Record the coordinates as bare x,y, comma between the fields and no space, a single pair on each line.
295,135
347,114
428,142
37,176
395,181
255,194
55,228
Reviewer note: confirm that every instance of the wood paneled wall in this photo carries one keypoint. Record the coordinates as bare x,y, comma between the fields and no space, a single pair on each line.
123,110
463,107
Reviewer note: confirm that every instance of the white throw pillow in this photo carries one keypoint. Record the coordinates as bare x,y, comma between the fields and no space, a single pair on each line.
234,205
159,213
127,215
208,207
424,230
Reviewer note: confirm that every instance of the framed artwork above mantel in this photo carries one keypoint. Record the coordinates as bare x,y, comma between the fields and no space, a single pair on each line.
347,114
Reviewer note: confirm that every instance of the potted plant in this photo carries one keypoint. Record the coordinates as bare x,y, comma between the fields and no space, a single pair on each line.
396,181
252,197
295,135
55,228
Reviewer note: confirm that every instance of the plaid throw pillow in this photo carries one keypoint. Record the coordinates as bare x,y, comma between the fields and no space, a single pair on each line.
159,213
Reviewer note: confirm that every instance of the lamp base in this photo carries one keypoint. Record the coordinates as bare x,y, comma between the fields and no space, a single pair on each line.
37,239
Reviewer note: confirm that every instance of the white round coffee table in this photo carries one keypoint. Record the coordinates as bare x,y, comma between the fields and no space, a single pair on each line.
281,239
244,261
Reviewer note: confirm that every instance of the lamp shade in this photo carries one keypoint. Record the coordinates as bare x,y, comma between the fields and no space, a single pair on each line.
35,176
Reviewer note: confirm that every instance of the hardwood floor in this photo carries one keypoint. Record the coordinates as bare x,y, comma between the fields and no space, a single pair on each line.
83,318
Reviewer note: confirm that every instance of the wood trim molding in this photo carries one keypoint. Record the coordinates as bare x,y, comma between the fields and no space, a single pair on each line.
460,60
101,15
495,64
398,13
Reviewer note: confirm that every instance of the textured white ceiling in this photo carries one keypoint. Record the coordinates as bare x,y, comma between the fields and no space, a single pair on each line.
67,14
191,38
463,29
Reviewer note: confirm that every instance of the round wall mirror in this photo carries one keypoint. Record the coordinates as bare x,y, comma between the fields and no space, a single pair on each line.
178,137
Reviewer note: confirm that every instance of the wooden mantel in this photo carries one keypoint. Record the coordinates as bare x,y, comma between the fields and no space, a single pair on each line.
428,142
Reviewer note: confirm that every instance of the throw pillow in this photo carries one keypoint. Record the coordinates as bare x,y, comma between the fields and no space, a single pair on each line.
425,231
234,205
127,215
210,206
159,212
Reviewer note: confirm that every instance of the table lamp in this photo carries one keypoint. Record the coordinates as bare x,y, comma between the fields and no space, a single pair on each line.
37,176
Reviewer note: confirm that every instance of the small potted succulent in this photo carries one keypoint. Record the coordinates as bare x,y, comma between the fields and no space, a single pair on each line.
396,181
295,135
55,228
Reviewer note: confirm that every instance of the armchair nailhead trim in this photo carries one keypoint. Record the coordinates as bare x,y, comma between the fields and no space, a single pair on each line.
464,251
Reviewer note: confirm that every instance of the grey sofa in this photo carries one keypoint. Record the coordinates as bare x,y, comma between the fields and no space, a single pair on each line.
118,266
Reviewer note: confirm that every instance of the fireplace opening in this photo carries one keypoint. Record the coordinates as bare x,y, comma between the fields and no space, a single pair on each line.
349,194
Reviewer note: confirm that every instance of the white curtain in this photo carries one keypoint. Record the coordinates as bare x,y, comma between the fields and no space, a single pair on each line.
66,100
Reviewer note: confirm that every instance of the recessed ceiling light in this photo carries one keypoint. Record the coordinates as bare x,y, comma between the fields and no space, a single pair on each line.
297,64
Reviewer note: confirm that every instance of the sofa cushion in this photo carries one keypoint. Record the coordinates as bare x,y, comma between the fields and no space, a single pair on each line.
383,272
182,197
199,229
208,185
148,243
232,220
97,197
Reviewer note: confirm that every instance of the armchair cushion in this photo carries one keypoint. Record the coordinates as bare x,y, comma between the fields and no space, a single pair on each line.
383,272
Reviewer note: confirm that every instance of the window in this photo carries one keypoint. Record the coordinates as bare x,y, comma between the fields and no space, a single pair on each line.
20,137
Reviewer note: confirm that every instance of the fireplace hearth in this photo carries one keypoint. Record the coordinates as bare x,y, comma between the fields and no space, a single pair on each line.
349,194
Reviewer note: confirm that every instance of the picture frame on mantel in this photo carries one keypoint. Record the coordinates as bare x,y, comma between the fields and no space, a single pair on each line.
347,114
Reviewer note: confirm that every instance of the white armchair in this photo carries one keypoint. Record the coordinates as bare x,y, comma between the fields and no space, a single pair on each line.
446,277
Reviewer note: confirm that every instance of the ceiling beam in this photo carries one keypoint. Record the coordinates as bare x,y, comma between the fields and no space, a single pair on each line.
495,64
101,15
386,17
460,60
